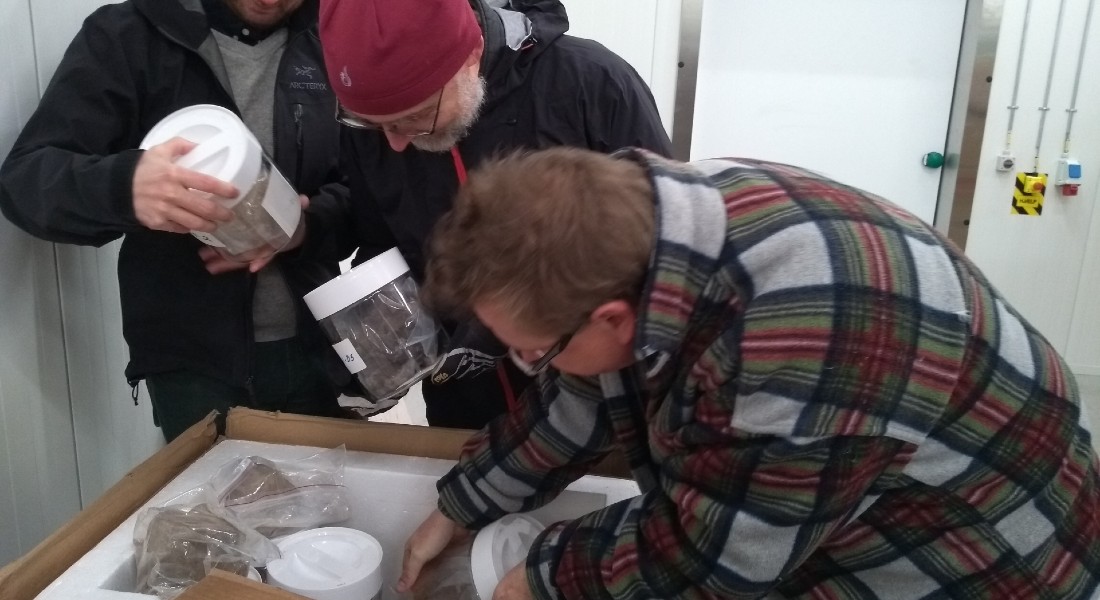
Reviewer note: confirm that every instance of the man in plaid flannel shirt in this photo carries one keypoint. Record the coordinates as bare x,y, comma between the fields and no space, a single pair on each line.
818,396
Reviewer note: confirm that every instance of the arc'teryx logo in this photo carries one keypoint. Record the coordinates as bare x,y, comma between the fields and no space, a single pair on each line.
304,75
344,77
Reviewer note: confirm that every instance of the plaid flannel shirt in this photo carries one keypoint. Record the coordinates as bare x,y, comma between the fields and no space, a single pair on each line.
830,402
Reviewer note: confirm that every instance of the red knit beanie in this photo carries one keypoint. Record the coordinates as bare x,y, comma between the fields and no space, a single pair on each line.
387,56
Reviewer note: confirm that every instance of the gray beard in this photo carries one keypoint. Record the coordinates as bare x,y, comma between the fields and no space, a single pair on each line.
471,97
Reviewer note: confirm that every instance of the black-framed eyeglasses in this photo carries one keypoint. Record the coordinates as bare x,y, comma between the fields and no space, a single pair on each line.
543,361
410,126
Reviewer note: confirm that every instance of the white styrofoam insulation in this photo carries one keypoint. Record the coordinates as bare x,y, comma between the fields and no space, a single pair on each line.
390,496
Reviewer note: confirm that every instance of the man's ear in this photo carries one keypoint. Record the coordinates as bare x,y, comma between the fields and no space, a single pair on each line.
474,59
618,317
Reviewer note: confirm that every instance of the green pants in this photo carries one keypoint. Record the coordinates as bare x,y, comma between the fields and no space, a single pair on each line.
285,379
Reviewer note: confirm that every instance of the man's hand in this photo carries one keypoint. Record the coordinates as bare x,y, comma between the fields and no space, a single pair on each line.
171,198
433,535
217,260
514,586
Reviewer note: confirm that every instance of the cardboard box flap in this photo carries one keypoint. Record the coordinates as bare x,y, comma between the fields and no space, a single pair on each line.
219,585
365,436
35,570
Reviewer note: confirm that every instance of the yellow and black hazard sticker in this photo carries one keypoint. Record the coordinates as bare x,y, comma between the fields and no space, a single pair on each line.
1027,198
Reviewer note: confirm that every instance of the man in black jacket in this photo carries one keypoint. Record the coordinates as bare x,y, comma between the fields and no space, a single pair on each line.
202,339
430,92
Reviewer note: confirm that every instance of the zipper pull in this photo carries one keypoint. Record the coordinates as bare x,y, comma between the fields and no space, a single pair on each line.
134,392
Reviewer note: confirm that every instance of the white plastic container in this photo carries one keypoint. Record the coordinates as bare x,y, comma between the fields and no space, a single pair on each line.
471,571
373,316
329,563
267,210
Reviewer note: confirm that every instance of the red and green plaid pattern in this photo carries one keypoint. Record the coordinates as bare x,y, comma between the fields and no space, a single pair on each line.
830,402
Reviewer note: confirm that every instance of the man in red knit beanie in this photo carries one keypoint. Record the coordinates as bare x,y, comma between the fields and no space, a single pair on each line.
429,89
390,67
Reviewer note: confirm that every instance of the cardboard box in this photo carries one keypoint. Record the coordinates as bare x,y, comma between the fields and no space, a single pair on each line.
31,574
219,585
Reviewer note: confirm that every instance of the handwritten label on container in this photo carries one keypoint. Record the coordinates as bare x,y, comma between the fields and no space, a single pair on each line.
349,356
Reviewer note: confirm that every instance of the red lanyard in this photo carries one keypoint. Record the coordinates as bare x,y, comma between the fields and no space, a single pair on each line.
460,168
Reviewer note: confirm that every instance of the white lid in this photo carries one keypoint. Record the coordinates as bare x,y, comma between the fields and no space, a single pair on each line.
226,148
498,548
329,563
348,288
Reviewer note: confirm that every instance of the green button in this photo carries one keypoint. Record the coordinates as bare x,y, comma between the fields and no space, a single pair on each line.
932,160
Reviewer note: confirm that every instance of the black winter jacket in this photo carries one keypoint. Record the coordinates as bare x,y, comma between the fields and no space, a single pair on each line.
543,89
69,178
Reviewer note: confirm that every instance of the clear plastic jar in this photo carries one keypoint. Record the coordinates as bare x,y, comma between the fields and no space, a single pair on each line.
267,212
373,316
253,225
448,576
471,570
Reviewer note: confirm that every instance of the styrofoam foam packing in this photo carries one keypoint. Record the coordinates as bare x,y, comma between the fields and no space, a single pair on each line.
390,496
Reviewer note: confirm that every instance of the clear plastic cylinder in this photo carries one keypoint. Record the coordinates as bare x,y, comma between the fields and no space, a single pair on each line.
449,576
266,215
376,323
266,210
472,568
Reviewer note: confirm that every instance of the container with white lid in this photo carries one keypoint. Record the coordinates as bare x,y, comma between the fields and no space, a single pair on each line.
267,210
373,316
472,570
329,563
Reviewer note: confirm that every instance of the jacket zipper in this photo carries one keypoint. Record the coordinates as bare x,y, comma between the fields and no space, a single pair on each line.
298,146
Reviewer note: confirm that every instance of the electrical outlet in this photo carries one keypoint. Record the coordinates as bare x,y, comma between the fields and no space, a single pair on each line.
1069,172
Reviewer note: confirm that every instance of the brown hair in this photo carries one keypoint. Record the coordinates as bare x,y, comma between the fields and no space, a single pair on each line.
548,236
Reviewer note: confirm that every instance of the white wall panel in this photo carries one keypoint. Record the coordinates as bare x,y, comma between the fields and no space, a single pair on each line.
111,434
1083,352
38,477
1047,266
55,23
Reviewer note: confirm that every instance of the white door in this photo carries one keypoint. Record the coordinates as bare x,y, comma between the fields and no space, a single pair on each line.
859,90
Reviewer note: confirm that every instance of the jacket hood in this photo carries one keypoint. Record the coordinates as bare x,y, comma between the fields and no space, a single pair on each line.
184,21
516,31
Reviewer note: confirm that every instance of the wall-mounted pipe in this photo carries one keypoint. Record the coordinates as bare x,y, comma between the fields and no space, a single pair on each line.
1013,106
1050,82
1072,110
